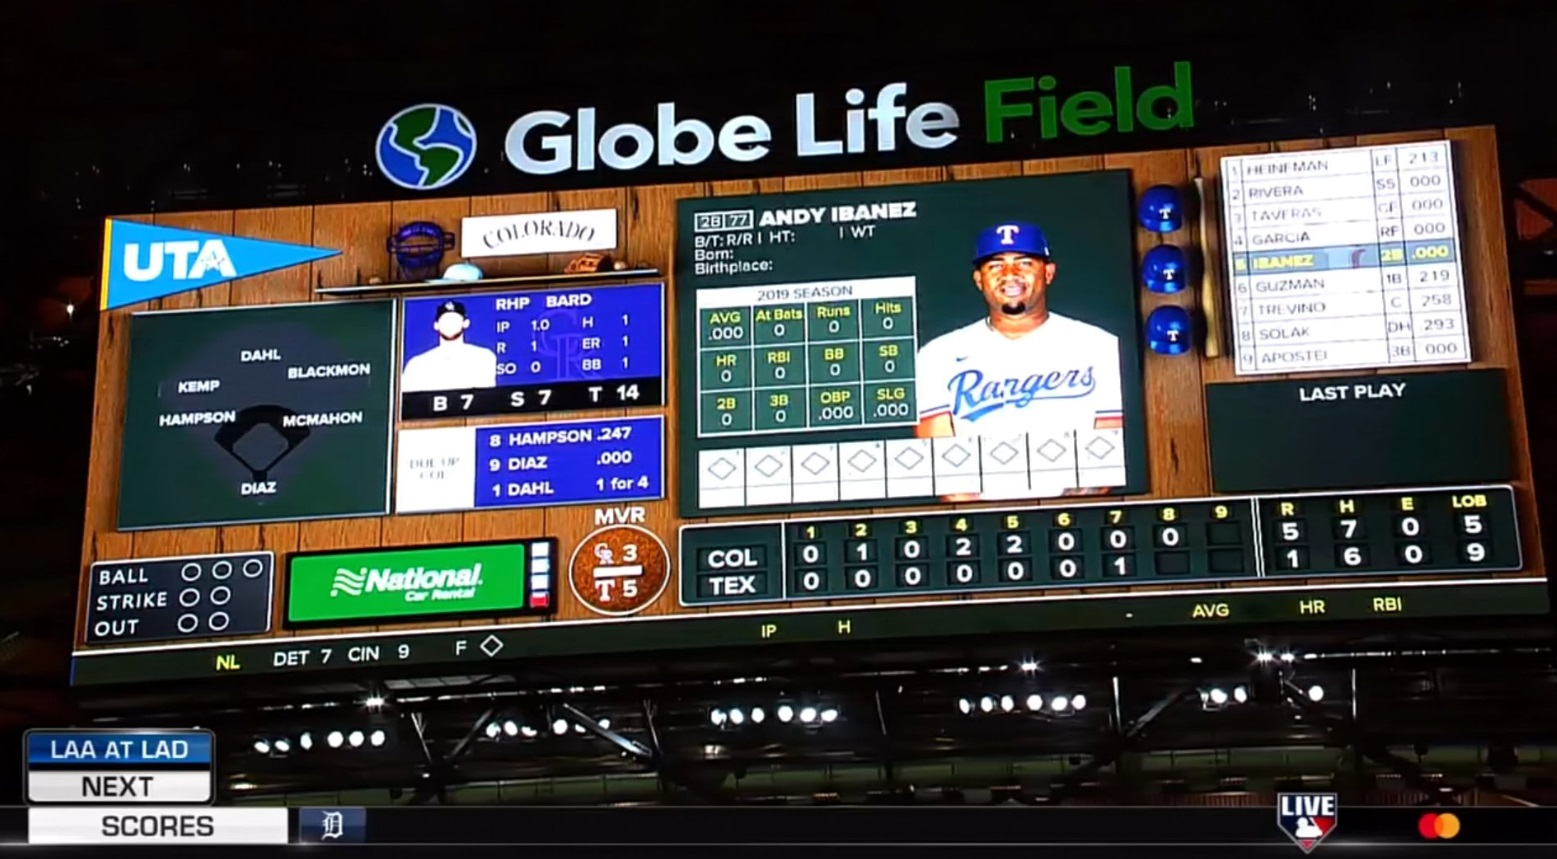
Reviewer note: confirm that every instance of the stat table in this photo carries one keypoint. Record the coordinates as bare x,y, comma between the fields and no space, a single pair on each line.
806,356
1345,259
557,350
1393,532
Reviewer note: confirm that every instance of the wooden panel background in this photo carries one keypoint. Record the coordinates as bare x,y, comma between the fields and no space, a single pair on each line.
1178,453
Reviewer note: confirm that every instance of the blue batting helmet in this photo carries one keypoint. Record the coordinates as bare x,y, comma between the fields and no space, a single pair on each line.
1012,238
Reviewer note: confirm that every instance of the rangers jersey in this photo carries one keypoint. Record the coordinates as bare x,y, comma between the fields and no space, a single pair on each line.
1061,377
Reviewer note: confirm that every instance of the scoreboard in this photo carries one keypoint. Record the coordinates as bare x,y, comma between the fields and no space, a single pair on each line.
1406,532
838,417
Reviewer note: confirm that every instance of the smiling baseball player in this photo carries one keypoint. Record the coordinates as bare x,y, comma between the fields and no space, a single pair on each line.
1022,368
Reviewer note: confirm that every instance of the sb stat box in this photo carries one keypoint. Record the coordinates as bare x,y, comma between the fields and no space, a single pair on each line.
120,767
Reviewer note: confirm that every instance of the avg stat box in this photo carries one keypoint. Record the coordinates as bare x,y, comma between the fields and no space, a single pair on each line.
82,766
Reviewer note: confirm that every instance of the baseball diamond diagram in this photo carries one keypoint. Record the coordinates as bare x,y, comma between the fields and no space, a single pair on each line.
868,346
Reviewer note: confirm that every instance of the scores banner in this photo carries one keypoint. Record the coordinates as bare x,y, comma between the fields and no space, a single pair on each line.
891,346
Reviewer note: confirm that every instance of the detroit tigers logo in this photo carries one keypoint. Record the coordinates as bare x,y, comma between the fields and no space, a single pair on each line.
973,396
1008,233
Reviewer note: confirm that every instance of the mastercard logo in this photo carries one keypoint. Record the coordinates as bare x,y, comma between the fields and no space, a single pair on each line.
1438,827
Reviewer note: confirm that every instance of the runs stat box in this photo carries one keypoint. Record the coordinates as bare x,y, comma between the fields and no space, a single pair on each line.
80,765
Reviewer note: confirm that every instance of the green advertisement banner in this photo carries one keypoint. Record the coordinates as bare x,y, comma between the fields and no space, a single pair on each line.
490,578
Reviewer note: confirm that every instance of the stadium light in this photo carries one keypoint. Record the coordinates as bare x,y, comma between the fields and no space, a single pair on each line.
829,715
1316,693
262,746
559,727
786,713
757,715
717,716
1059,703
737,716
334,739
1007,703
355,739
965,706
306,741
283,745
528,731
1035,702
1078,702
492,730
377,738
808,714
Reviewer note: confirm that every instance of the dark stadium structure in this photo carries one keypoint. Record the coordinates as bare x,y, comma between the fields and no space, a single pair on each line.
1456,712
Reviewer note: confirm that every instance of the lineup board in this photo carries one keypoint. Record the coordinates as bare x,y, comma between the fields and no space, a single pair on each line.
555,350
531,465
1410,531
806,356
1345,259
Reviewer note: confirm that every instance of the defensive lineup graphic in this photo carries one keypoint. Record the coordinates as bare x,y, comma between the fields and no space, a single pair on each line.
865,412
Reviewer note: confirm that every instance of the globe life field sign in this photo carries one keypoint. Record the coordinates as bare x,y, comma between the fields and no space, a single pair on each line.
413,582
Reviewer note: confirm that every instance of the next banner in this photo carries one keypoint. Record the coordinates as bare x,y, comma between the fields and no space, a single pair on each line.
82,765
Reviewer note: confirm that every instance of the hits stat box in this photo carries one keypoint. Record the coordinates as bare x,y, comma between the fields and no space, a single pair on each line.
120,767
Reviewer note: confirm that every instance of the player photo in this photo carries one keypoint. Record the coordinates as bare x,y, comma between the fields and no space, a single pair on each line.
451,363
1021,368
974,340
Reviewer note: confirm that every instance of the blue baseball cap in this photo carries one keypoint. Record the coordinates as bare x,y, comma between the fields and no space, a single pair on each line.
1015,237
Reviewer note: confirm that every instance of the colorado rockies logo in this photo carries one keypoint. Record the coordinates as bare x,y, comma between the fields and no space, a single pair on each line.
974,397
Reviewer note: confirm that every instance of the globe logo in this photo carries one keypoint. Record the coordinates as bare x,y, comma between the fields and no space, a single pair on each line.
426,146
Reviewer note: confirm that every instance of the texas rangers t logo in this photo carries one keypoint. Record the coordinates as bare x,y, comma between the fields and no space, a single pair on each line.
1307,818
1008,233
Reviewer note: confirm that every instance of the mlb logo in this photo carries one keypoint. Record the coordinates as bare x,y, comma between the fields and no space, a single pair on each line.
1307,818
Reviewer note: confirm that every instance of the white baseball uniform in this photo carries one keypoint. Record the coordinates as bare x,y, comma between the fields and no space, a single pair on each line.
1061,382
450,367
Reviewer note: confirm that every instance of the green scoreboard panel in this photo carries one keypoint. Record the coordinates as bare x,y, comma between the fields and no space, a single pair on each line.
1394,532
806,357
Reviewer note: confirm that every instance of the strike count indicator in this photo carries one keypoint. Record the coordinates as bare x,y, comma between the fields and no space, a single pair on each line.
557,350
1232,538
1345,259
806,356
140,600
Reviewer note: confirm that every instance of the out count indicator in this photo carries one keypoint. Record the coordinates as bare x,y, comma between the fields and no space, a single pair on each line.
1345,259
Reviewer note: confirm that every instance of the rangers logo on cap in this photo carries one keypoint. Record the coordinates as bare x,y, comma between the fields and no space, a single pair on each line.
1015,237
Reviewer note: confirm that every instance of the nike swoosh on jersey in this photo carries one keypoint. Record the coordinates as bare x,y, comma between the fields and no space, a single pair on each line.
960,359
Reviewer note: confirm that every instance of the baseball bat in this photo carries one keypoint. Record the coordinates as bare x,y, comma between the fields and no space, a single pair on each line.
1210,303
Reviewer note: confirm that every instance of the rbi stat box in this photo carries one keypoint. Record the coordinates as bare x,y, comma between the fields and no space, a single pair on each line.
120,767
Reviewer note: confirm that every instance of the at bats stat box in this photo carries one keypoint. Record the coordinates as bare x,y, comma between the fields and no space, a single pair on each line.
861,410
